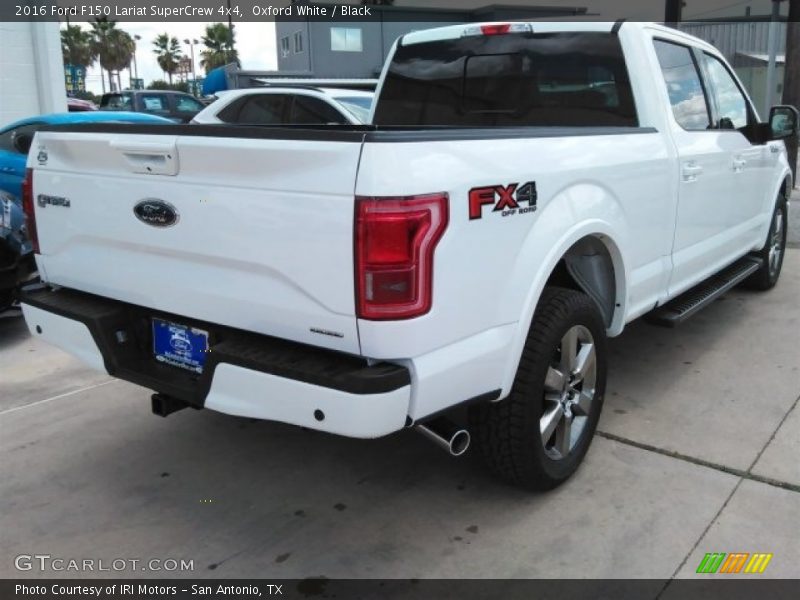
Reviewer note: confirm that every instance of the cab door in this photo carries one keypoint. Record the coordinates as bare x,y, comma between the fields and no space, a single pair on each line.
701,220
748,161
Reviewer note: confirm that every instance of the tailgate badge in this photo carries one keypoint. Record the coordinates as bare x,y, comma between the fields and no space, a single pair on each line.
44,200
156,213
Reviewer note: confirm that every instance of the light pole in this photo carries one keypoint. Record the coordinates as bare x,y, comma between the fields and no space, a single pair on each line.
673,10
191,43
230,28
136,38
772,44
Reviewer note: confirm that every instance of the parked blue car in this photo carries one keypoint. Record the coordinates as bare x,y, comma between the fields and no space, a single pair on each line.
16,256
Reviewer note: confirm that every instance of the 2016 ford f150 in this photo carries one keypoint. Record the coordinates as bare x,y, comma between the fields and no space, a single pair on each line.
523,192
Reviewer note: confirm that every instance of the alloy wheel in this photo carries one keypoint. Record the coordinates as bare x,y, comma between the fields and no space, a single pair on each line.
776,243
569,392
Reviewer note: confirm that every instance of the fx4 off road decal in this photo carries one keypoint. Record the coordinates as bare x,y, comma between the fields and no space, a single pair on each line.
504,199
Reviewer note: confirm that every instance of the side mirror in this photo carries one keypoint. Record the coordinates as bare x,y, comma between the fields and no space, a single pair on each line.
22,142
783,122
726,123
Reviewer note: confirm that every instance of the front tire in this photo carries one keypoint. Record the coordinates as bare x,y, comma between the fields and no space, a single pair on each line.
773,252
537,437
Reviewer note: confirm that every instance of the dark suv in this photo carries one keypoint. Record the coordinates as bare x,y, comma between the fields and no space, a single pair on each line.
177,106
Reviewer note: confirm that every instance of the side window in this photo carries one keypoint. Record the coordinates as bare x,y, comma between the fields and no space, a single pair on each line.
187,104
731,103
117,102
312,111
230,113
155,103
258,109
7,139
684,86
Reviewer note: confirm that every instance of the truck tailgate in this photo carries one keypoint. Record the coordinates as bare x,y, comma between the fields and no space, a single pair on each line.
263,239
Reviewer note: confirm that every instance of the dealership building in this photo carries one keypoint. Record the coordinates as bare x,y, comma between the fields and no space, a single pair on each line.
31,70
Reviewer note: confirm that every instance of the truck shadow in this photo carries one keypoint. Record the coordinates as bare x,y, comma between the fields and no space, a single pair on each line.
12,328
244,497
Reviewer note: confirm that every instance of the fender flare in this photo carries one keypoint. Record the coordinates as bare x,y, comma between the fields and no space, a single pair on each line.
592,228
785,178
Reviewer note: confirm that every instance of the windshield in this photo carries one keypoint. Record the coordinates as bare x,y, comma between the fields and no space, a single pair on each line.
358,106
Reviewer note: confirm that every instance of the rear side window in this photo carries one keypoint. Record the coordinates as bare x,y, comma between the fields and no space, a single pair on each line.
7,138
187,104
312,111
682,77
522,79
258,109
117,102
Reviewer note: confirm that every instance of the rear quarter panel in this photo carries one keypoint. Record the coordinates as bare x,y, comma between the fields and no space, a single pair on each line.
490,271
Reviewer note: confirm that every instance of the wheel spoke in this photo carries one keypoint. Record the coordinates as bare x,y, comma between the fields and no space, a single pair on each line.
569,350
554,380
569,391
563,435
583,404
584,361
550,421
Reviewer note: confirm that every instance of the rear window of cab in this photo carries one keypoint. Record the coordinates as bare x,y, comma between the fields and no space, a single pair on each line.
522,79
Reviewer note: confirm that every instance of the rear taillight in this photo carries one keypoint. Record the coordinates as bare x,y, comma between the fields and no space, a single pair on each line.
29,209
394,243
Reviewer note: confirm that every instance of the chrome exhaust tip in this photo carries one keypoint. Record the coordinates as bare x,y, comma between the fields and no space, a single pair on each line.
447,435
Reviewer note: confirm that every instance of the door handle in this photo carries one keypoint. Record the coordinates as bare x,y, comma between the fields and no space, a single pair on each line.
775,149
691,171
739,164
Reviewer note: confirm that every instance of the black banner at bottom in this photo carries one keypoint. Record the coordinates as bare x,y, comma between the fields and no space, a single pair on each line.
346,589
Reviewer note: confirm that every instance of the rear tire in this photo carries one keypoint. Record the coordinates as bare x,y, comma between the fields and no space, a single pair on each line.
537,437
773,252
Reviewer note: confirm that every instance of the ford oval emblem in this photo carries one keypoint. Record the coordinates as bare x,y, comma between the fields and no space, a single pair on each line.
156,213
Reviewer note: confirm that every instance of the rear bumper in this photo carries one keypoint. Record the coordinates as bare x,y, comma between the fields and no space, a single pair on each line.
245,374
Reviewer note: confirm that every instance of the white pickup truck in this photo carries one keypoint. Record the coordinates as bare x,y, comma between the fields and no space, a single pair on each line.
523,192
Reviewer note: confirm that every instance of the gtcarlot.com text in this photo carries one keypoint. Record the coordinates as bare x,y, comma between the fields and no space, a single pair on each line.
47,562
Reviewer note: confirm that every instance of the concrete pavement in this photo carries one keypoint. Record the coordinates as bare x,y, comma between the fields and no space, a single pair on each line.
794,219
698,452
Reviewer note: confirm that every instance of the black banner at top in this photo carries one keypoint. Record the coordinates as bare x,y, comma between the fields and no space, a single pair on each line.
408,11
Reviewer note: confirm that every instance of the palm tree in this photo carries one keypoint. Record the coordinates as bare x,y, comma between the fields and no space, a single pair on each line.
120,54
77,47
113,46
219,50
168,52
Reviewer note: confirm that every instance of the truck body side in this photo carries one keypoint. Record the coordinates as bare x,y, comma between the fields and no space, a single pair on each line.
264,246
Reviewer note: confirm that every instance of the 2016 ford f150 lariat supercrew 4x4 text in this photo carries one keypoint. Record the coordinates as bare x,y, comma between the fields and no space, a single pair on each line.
523,192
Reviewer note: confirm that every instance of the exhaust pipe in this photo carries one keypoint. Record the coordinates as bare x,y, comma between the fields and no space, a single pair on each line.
164,405
446,434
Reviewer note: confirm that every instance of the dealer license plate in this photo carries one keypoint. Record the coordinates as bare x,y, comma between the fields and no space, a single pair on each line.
179,345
